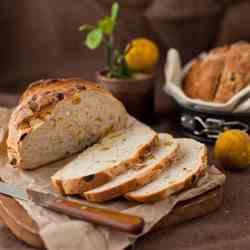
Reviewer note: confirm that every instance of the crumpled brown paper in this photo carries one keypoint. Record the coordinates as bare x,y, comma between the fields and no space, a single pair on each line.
61,232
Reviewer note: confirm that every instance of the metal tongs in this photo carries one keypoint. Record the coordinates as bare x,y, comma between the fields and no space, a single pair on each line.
210,127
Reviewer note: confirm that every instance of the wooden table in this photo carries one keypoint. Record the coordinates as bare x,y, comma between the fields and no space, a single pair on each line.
226,229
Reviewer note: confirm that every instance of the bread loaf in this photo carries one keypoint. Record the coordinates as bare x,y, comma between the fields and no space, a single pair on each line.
56,118
220,75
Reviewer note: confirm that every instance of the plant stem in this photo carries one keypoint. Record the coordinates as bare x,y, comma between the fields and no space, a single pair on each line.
110,52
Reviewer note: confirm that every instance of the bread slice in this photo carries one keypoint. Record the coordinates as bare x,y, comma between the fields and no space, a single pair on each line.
188,167
56,118
138,176
113,155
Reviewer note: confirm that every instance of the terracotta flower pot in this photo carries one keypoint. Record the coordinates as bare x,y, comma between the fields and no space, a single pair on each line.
136,94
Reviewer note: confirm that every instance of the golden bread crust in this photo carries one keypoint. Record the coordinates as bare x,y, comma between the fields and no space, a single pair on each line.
82,184
37,102
220,75
179,186
132,184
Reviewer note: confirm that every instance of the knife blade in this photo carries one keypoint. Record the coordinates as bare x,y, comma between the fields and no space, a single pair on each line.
76,209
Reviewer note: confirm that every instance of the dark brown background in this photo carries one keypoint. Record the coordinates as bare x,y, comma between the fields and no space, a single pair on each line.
39,39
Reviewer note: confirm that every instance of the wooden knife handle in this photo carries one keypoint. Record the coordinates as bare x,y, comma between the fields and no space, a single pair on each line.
106,217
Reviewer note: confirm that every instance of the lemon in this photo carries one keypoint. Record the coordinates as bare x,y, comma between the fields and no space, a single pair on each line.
232,149
141,54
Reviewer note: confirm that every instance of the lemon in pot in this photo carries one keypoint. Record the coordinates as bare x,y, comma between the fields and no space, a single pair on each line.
232,149
141,55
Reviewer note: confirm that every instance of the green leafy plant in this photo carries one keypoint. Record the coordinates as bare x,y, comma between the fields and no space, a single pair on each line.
103,33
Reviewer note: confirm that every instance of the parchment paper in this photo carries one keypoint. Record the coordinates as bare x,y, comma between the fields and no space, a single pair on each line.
61,232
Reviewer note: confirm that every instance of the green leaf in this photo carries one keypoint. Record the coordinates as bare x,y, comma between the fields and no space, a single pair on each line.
94,38
106,25
85,27
120,71
114,11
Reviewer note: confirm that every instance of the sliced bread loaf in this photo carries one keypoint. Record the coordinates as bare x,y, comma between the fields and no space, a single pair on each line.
113,155
56,118
190,164
138,176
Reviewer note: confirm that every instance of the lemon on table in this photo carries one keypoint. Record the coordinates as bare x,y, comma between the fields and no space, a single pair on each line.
141,54
232,149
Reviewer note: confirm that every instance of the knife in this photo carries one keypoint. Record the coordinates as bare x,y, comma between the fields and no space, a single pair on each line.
76,209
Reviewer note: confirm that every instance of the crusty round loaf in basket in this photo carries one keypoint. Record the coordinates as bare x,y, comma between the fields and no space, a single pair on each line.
56,118
224,72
